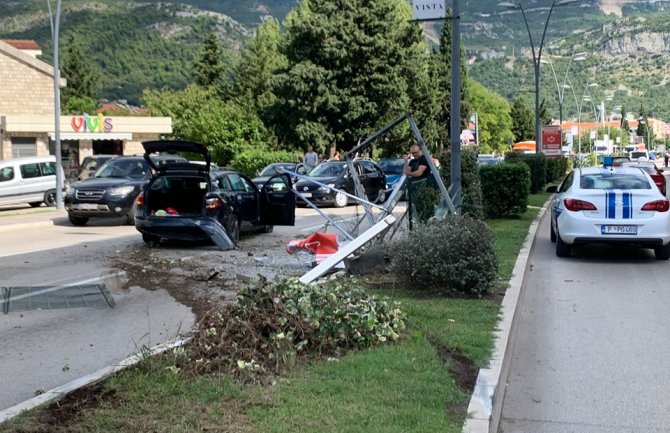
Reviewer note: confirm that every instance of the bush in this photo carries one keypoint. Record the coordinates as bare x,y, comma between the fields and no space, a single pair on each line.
505,188
271,323
471,189
424,197
251,161
552,169
455,254
537,163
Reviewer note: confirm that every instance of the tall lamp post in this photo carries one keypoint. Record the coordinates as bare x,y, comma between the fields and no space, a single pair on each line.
536,59
55,23
560,88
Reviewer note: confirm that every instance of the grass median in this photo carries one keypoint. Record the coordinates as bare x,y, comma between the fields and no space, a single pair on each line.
422,383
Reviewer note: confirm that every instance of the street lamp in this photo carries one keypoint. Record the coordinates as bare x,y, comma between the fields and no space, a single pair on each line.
59,163
536,59
560,88
586,97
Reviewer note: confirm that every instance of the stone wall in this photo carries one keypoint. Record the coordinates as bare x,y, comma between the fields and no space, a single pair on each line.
24,89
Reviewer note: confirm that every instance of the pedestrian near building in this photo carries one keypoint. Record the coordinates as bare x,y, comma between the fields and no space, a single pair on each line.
310,159
666,157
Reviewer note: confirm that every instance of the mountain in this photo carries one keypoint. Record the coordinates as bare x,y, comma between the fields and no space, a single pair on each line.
151,43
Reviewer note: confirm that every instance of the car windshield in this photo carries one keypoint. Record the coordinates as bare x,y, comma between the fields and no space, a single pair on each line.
392,166
328,170
612,180
123,168
271,170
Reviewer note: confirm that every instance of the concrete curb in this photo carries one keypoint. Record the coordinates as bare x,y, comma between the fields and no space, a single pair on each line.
486,402
89,379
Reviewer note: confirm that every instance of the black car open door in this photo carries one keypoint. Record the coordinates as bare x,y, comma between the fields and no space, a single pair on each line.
277,201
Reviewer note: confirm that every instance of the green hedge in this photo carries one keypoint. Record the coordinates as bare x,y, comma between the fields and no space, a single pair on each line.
251,161
537,163
505,188
471,188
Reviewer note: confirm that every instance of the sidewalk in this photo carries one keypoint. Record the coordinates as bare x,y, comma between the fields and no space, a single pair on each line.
16,219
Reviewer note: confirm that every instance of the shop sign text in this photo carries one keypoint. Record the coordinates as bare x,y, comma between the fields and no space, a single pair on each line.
88,123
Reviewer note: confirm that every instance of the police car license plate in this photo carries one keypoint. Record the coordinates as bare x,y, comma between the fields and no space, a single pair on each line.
618,230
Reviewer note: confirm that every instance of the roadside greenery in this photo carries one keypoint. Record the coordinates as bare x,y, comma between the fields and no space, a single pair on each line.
413,385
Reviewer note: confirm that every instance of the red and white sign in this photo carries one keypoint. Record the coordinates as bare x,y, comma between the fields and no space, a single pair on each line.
552,140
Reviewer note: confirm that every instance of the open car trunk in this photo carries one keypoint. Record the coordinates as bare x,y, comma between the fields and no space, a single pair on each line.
172,196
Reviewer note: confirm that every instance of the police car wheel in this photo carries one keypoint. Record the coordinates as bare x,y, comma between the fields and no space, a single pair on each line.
562,249
662,253
552,233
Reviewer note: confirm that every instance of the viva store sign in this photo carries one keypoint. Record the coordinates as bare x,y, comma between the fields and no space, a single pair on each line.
88,123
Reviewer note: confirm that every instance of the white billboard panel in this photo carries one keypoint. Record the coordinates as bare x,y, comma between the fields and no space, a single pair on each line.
428,9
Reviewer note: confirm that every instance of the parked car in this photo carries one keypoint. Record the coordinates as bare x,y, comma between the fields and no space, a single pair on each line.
186,201
392,168
488,159
254,208
652,170
270,170
90,165
112,190
639,155
620,205
335,174
29,180
618,160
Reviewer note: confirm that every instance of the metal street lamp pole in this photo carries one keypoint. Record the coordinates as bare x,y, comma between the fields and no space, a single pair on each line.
560,88
59,158
536,60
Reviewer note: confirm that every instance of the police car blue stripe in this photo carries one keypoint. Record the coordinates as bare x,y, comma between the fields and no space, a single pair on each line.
627,208
610,209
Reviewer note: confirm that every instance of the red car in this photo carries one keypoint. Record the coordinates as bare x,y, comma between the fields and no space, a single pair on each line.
653,171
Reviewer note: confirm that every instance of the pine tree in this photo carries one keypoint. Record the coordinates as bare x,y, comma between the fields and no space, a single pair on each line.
545,117
522,121
260,60
83,78
346,74
209,70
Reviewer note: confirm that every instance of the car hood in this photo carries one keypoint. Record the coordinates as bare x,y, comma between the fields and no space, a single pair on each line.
325,180
106,182
392,179
260,180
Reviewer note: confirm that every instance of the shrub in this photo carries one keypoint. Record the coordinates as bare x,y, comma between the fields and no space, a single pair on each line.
271,323
424,197
251,160
471,189
505,188
455,254
537,163
552,169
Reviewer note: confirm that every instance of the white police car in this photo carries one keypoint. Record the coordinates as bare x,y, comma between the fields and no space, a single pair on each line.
613,205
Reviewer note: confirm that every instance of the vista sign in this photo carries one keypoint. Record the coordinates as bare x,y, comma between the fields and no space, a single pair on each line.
428,10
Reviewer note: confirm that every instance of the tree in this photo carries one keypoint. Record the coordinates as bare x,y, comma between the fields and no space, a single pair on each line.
83,79
495,122
346,74
643,129
545,117
260,60
209,69
199,114
523,121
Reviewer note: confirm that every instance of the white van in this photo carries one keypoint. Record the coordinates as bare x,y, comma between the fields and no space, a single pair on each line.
29,180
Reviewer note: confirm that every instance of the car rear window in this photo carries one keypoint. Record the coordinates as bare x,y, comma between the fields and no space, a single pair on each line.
614,181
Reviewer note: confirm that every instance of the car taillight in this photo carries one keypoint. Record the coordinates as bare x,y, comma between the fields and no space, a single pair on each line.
213,203
659,179
657,205
574,205
140,199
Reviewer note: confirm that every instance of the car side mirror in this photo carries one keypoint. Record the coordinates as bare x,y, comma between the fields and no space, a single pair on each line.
552,188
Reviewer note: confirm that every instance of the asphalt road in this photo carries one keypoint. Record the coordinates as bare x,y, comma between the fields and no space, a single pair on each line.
46,348
591,351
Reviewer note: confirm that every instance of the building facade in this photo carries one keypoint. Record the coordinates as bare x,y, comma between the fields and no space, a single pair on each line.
27,119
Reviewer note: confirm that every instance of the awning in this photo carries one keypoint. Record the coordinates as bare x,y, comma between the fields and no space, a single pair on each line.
92,136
